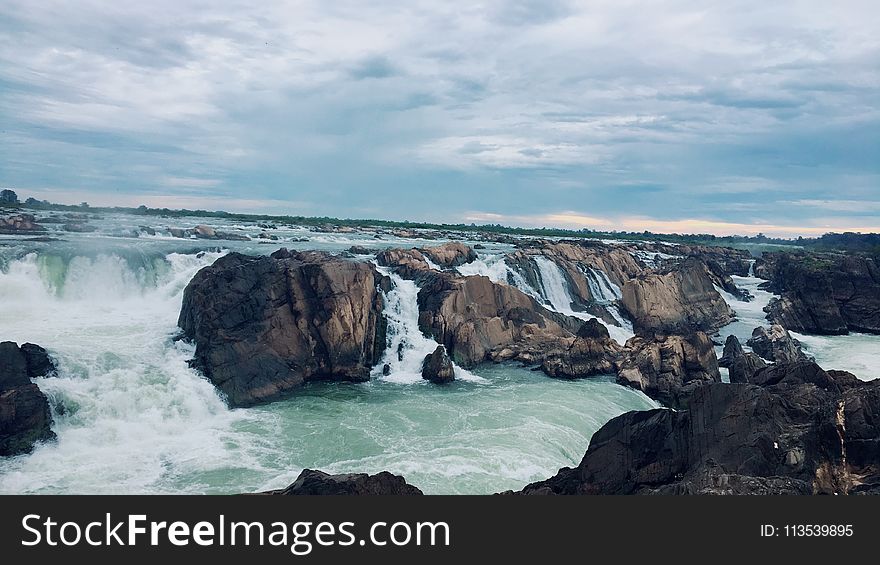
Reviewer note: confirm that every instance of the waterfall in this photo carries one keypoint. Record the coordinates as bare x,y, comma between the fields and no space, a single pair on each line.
407,346
603,290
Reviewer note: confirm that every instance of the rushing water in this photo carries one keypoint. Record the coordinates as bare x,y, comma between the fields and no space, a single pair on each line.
132,417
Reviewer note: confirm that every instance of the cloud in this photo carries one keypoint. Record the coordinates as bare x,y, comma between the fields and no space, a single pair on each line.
737,113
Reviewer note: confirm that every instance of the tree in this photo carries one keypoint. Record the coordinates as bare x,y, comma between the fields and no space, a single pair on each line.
8,197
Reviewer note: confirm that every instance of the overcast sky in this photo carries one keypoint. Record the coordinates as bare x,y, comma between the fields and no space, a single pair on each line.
727,116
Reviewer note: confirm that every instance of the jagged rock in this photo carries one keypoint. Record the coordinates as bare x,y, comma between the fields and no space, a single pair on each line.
679,301
25,417
669,368
776,345
732,350
789,436
450,254
360,250
437,367
20,223
592,352
263,326
744,367
823,293
409,263
311,482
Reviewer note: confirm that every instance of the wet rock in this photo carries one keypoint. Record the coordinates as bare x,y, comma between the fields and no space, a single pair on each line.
732,350
360,250
25,417
79,228
311,482
437,367
20,223
263,326
776,345
592,352
744,367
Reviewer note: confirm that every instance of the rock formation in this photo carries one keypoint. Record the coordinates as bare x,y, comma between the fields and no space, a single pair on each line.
592,352
669,368
679,301
732,350
824,293
25,417
437,367
311,482
450,254
263,326
807,432
776,345
20,223
744,367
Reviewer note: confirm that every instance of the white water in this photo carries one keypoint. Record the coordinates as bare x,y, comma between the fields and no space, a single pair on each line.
555,290
856,353
432,264
407,345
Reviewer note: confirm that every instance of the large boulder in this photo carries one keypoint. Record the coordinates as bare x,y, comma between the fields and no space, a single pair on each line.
20,223
788,437
263,326
744,367
679,301
592,352
669,368
732,350
25,416
823,293
776,345
450,254
437,367
311,482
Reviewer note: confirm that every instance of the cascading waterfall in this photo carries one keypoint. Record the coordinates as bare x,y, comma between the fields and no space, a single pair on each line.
555,290
407,345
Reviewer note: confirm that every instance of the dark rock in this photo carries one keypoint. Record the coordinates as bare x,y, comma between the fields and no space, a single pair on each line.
776,345
437,367
79,228
38,361
263,326
669,368
25,417
479,246
312,482
147,230
796,373
360,250
788,436
267,235
732,350
744,367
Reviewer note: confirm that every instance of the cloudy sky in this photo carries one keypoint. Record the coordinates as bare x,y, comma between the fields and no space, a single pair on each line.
712,116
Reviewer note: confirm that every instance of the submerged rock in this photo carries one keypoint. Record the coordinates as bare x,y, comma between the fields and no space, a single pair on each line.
263,326
437,367
25,417
801,434
669,368
311,482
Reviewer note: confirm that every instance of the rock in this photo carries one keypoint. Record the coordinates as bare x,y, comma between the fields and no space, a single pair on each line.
450,254
437,367
263,326
732,350
231,236
744,367
147,230
79,228
479,246
25,417
202,231
798,373
592,352
776,345
679,301
789,437
20,223
360,250
669,368
312,482
177,232
267,235
823,293
408,263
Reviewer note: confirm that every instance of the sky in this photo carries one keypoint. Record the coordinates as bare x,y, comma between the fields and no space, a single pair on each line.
734,116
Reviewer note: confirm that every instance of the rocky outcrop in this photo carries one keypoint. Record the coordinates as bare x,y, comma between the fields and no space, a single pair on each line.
479,320
679,301
203,231
311,482
263,326
360,250
25,417
20,223
744,367
408,263
801,434
829,294
437,367
669,368
450,254
592,352
732,350
776,345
